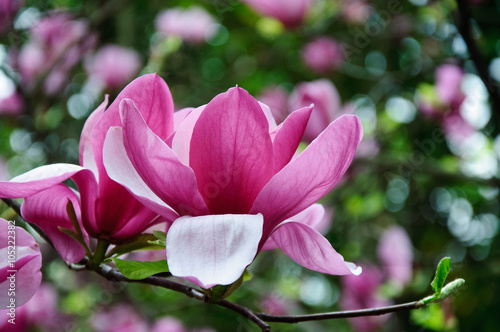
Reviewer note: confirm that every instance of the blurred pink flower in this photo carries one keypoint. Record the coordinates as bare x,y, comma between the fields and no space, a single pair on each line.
12,105
121,318
193,24
168,324
360,292
113,66
448,80
395,252
327,105
26,261
289,12
235,178
8,9
57,44
274,305
277,99
323,55
355,11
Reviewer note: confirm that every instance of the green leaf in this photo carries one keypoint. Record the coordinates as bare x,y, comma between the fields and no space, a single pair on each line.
137,270
140,242
160,235
442,271
431,317
450,288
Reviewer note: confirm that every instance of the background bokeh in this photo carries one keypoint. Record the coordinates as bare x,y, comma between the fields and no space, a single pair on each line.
422,77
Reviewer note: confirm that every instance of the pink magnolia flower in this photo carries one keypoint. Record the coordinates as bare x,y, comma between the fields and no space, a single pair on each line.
396,255
108,210
289,12
168,324
25,261
57,44
323,54
121,318
355,11
228,173
13,105
360,292
193,24
8,9
113,66
327,105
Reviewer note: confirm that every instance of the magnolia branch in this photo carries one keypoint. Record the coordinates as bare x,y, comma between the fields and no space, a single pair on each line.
259,319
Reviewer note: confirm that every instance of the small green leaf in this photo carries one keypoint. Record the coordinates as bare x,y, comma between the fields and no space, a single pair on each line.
137,270
442,271
140,242
160,235
450,288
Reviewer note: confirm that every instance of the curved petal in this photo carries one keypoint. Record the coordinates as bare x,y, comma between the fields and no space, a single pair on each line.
310,249
231,152
181,115
121,170
182,139
47,210
288,137
311,175
213,250
151,95
28,262
159,167
311,216
38,179
86,156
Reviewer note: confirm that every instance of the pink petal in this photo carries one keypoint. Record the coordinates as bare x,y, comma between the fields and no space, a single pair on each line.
47,210
151,95
288,137
231,152
311,216
28,262
38,179
86,156
311,175
182,139
214,249
180,115
121,170
310,249
158,166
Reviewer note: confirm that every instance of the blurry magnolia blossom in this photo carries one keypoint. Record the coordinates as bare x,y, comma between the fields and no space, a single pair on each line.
289,12
26,260
193,24
171,324
13,105
56,45
323,55
121,318
355,11
327,105
276,98
443,102
8,9
113,66
396,255
361,292
274,305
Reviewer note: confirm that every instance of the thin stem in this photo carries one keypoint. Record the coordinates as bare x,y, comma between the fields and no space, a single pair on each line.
342,314
99,254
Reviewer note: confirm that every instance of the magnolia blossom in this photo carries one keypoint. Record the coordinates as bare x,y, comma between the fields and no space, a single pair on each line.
104,208
396,255
121,318
26,262
355,11
289,12
444,101
113,66
56,45
323,55
228,173
277,99
192,25
12,105
361,293
327,105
